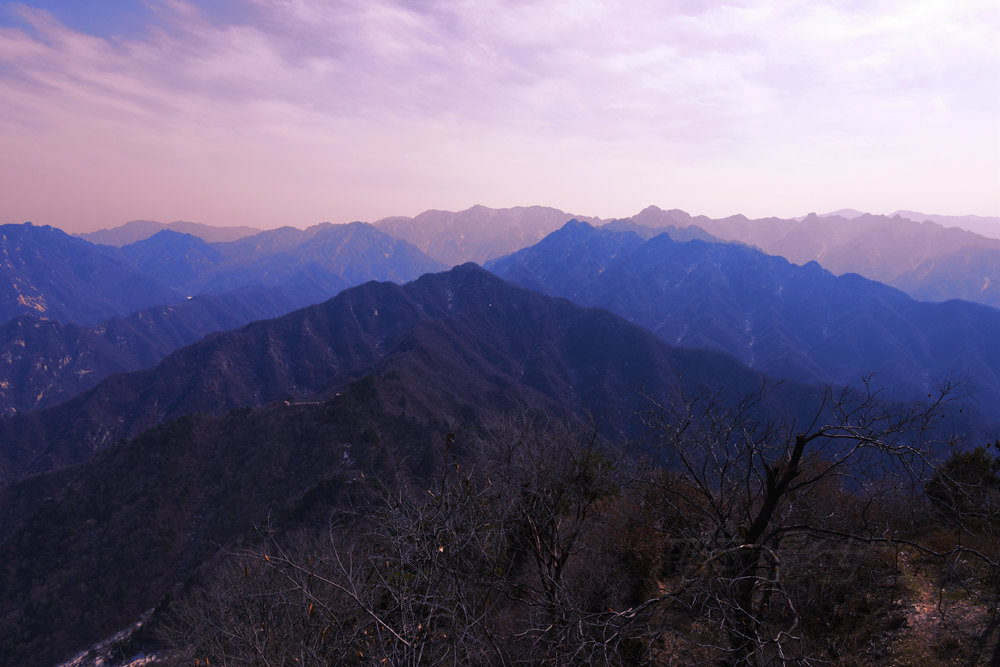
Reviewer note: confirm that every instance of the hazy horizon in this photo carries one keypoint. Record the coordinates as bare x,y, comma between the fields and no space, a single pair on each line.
297,112
988,225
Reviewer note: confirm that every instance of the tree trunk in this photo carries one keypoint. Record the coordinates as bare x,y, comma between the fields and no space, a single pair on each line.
741,569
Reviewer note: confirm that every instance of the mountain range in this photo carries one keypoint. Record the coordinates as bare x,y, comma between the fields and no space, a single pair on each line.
315,263
46,272
77,306
371,380
926,259
137,230
931,257
322,259
786,320
980,224
153,414
476,234
507,337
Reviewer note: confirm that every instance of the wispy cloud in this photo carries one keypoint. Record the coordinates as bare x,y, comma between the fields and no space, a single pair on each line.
301,110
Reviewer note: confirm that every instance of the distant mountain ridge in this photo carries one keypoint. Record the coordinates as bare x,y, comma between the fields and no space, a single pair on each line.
476,234
930,256
320,260
847,213
786,320
928,260
48,273
138,230
968,273
980,224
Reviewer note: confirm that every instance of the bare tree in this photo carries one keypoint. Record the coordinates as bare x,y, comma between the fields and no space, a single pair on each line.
500,559
745,498
749,541
557,484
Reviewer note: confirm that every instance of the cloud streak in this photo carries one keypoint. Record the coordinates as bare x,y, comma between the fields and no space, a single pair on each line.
298,111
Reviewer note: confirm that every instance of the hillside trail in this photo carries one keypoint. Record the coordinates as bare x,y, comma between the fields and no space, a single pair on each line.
946,623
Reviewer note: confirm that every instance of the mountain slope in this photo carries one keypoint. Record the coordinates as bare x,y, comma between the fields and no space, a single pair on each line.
44,362
877,247
171,257
48,273
566,259
970,273
90,549
786,320
506,336
379,379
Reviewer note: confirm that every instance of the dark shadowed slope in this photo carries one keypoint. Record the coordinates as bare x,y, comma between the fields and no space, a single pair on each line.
506,336
89,549
44,362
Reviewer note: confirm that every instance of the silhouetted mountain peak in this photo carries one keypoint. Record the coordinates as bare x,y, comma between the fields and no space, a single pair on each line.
654,216
465,285
575,224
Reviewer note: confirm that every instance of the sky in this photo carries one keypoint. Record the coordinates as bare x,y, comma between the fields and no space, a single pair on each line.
295,112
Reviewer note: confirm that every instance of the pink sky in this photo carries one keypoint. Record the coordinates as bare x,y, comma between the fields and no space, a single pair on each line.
274,112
